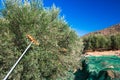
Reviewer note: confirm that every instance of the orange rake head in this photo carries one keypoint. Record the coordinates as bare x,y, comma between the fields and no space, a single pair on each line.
32,39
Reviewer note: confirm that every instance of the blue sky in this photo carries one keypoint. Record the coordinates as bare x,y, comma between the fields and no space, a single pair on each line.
86,16
0,4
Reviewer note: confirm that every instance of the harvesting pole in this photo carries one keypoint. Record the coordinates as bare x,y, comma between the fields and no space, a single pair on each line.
13,67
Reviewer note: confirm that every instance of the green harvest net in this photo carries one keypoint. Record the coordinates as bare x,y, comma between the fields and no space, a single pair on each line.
100,68
97,68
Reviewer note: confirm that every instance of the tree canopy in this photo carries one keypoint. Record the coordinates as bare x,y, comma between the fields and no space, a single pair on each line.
59,50
102,42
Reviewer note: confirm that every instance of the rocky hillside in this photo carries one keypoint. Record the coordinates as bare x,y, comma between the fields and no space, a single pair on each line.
108,31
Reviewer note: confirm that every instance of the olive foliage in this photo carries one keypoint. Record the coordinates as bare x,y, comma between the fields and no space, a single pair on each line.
59,50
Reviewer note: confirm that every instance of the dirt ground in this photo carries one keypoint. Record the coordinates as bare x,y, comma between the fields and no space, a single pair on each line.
103,53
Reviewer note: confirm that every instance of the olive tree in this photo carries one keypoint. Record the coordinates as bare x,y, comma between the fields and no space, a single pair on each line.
59,50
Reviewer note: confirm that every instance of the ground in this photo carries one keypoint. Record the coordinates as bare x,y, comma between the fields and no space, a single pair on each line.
103,53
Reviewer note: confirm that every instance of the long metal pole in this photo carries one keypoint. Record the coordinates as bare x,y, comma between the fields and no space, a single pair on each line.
17,62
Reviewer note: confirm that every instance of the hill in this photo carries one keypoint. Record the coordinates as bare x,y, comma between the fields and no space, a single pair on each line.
115,29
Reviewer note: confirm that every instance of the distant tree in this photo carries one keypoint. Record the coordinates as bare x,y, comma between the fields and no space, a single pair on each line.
115,41
97,42
102,42
87,43
108,43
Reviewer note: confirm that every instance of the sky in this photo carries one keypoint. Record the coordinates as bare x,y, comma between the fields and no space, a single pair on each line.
86,16
0,4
